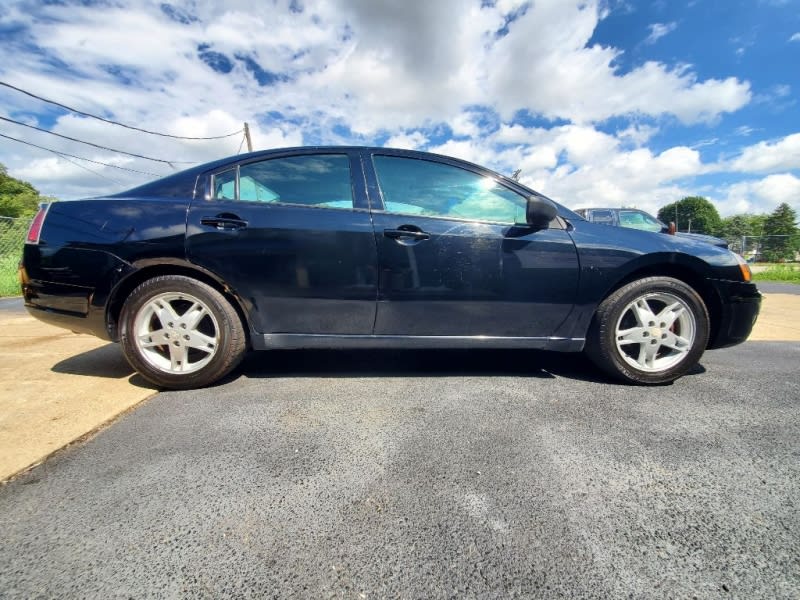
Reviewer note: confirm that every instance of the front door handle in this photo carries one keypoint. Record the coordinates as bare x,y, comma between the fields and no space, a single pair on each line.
225,223
407,235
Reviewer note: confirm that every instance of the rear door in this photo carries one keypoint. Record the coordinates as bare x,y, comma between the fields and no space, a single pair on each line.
291,235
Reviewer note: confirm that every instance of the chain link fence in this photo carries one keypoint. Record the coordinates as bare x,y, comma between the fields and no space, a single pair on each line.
767,248
12,238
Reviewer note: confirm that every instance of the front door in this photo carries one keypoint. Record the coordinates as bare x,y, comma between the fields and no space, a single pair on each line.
453,262
292,236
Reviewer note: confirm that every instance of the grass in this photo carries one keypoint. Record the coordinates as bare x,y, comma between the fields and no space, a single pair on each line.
9,278
12,239
780,273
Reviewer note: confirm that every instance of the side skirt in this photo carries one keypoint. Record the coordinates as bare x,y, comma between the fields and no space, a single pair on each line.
295,341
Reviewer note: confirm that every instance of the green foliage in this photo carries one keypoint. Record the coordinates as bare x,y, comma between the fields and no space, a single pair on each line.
783,273
22,205
12,238
733,228
17,198
698,211
781,224
9,278
738,227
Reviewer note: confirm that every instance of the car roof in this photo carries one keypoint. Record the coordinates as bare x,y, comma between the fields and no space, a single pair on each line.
183,183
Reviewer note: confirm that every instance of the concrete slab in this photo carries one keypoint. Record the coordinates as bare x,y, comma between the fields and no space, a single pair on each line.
55,387
779,319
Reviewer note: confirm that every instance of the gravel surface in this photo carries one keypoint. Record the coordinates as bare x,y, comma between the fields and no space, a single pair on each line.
427,475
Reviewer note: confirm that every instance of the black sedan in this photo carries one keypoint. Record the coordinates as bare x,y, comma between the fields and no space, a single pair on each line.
343,247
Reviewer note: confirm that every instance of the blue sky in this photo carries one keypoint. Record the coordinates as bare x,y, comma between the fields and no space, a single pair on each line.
599,103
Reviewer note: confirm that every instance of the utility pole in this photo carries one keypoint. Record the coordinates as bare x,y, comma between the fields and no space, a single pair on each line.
247,137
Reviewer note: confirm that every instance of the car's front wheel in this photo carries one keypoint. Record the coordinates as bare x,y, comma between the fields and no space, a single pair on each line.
180,333
650,331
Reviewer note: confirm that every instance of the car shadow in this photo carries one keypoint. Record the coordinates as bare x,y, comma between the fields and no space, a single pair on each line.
106,361
419,363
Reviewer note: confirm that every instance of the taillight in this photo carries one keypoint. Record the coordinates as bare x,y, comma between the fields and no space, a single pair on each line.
35,229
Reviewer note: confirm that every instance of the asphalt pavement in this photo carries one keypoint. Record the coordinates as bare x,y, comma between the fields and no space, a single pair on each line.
12,305
770,287
427,475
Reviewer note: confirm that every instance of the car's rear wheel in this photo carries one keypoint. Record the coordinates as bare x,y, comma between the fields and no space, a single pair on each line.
181,333
650,331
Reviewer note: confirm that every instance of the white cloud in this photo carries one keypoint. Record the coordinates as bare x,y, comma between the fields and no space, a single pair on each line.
637,134
550,44
659,30
581,166
762,195
379,65
763,157
359,70
411,141
464,125
795,37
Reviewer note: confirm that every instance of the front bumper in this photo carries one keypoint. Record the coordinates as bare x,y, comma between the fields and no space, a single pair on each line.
740,305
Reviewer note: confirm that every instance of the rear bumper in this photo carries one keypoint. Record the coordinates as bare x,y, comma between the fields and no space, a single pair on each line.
70,288
72,321
741,303
67,306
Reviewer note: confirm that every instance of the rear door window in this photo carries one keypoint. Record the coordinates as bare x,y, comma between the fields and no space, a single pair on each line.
321,180
605,217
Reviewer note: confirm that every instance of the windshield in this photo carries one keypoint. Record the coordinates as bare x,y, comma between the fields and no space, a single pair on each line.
635,219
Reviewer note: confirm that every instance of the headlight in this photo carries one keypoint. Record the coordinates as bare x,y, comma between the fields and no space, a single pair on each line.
747,275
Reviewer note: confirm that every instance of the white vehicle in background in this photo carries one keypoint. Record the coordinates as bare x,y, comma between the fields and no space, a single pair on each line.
633,218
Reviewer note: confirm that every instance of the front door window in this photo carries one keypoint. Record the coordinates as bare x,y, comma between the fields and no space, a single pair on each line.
431,189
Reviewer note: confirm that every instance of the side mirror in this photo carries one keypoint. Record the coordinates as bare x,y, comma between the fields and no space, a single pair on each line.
539,212
671,229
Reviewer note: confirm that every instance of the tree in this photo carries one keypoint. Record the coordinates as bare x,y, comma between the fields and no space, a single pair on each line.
737,228
782,224
693,212
17,198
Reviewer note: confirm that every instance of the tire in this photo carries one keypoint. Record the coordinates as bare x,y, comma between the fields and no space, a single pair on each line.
650,331
180,333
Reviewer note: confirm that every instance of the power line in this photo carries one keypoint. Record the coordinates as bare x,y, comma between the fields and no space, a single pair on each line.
63,154
85,114
85,168
66,137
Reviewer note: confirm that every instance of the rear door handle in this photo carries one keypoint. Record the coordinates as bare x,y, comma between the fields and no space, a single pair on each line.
407,234
224,223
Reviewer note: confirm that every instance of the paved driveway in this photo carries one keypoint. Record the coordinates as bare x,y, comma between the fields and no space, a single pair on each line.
73,384
443,474
55,387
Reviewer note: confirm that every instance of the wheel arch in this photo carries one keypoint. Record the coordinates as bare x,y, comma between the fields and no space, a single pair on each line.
145,270
689,274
